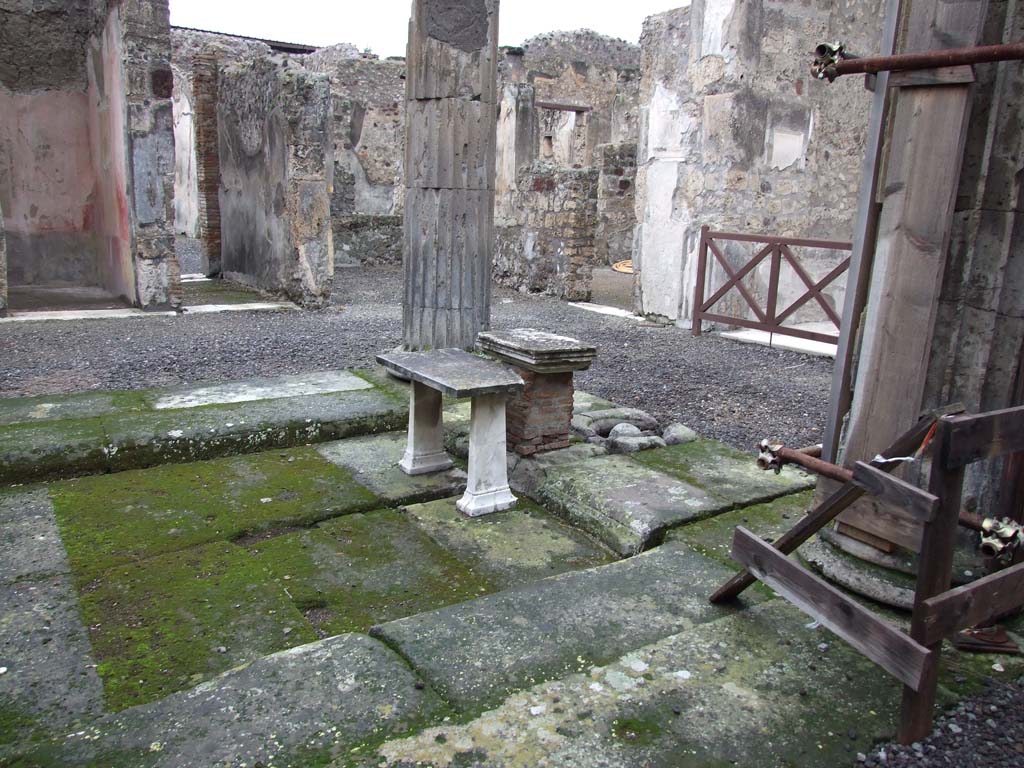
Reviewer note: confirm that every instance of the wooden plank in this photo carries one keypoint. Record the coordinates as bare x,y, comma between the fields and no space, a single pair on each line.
885,645
934,573
835,245
812,288
736,279
939,76
972,604
828,510
985,436
905,497
819,286
864,537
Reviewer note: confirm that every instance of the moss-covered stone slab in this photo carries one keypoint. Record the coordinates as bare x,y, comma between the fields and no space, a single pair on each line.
510,548
626,505
584,401
713,537
171,622
752,690
30,546
198,293
478,652
30,452
82,405
373,462
728,474
351,573
300,708
250,390
109,520
50,683
192,434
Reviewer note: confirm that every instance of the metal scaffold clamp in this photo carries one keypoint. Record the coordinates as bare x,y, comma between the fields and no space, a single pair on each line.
826,57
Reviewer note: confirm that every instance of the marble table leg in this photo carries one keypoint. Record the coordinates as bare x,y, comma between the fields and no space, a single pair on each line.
425,452
487,490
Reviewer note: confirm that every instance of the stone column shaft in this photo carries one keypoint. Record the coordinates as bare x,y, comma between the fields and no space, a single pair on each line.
449,172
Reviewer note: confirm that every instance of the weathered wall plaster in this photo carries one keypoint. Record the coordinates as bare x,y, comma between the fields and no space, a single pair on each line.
730,137
186,178
276,162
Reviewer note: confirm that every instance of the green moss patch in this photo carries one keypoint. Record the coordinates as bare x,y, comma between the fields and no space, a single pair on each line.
353,572
728,474
126,517
514,547
174,621
713,537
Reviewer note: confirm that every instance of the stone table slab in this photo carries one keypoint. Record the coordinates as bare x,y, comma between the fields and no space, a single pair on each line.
453,372
478,652
298,707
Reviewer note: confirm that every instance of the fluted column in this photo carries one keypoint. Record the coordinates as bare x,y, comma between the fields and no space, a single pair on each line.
449,171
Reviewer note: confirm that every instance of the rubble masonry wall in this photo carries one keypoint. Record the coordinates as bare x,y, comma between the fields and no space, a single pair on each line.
276,162
734,134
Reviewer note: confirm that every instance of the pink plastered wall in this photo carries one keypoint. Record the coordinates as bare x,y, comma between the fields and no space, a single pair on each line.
107,121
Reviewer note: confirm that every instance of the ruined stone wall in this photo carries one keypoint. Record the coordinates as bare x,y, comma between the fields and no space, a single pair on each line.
195,57
616,200
3,265
368,96
86,146
549,247
733,134
46,176
276,162
581,69
149,87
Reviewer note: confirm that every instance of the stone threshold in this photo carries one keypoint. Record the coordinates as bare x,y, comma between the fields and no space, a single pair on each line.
119,314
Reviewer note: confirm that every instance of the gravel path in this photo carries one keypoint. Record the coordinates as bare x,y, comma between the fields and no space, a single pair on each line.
986,731
733,392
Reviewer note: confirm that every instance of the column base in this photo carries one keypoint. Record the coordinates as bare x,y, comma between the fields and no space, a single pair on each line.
425,465
479,504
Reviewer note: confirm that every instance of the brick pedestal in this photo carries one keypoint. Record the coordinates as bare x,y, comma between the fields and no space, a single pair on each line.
539,416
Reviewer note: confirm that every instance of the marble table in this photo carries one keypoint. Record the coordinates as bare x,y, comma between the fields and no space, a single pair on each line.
457,373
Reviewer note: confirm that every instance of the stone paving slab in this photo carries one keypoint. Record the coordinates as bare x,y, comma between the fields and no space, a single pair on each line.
373,462
110,520
626,505
754,689
521,545
352,572
117,431
276,388
476,653
730,475
50,680
172,622
30,547
295,709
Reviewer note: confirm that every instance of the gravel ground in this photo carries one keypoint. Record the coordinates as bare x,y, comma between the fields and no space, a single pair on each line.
986,731
721,388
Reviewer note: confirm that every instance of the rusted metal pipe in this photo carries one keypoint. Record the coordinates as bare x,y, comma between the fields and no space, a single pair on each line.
832,61
777,456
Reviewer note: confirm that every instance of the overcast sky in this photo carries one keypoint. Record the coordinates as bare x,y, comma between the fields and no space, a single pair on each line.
382,25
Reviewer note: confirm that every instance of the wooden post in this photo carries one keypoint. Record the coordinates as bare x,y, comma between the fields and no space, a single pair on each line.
925,152
702,268
935,568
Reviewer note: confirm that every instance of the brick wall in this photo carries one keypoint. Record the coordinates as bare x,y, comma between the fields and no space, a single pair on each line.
538,417
204,89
